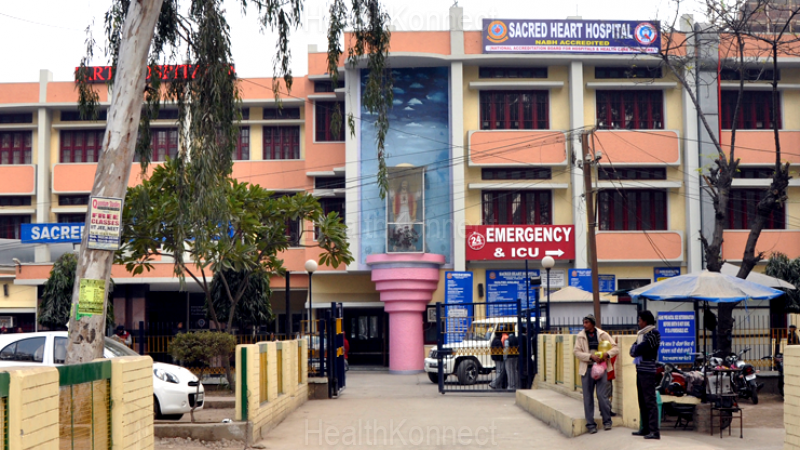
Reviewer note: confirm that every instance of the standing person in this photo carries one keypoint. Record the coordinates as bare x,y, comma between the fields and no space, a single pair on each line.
645,354
512,350
179,329
496,348
792,338
586,344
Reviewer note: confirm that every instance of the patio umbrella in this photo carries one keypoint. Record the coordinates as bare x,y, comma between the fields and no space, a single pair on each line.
706,286
760,278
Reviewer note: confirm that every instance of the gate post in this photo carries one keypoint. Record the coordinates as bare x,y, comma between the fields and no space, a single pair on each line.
439,346
521,370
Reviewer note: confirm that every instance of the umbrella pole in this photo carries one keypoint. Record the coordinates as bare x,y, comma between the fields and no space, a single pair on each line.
705,331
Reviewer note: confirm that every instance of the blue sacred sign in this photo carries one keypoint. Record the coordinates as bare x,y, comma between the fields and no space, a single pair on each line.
458,301
51,233
571,36
582,279
678,337
662,273
508,286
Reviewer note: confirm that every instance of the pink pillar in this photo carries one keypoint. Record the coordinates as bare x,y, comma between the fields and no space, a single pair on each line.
406,282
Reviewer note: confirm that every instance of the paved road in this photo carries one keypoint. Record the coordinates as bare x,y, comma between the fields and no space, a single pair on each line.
379,410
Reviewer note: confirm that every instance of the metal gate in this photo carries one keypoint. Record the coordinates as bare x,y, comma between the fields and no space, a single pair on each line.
468,359
336,368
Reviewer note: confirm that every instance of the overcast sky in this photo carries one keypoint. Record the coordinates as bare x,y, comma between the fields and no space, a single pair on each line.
49,34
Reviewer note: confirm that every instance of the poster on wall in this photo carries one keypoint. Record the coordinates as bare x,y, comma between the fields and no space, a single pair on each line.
678,337
571,36
508,286
582,279
458,310
662,273
405,210
105,220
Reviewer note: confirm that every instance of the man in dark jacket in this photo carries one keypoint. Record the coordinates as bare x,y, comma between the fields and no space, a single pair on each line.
645,354
511,349
499,364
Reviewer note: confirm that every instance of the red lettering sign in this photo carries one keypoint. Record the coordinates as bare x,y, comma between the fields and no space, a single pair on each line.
519,242
102,74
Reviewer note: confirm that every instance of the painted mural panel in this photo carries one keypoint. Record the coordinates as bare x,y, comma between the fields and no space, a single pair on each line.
415,216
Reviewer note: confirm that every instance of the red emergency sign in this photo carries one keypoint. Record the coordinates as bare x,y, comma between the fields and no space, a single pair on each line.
518,242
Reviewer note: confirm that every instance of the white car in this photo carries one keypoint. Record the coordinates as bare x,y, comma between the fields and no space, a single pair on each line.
174,387
471,357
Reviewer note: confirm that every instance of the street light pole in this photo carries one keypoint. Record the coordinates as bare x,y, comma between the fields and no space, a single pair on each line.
548,262
311,267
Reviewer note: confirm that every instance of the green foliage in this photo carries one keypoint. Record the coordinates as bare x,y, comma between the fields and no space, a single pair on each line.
201,347
780,266
254,307
57,295
246,236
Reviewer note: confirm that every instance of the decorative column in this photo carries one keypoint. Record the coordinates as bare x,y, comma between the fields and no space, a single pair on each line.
406,282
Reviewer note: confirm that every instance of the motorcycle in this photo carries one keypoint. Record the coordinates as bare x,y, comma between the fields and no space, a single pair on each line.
777,364
744,380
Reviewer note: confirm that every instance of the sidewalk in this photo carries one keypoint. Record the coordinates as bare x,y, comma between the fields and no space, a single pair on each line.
378,410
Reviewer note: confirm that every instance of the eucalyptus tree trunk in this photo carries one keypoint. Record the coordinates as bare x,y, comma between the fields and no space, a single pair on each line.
114,167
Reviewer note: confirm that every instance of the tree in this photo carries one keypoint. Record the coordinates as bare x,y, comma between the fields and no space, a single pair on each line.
737,26
254,307
201,349
246,239
57,295
150,31
780,266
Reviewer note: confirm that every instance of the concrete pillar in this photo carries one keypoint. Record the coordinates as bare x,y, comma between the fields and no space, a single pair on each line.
576,120
691,161
406,282
44,125
352,144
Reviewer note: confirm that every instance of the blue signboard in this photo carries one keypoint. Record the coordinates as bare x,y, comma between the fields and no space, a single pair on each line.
51,233
678,337
508,286
662,273
571,36
458,305
582,279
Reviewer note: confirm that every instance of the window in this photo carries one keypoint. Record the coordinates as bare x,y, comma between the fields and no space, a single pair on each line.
245,113
25,350
15,200
540,173
632,173
15,147
164,143
602,73
281,114
632,209
242,152
16,118
752,74
10,226
516,208
330,205
281,143
742,209
293,227
329,183
324,113
755,112
327,85
167,114
71,200
72,218
81,146
75,116
60,350
514,110
754,172
512,72
630,110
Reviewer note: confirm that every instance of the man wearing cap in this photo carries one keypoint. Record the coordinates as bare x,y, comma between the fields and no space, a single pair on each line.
586,345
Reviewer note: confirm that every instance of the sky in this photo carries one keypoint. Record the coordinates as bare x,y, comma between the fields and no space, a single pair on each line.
50,34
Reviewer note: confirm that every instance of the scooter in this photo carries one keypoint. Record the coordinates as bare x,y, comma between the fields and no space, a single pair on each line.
744,381
777,364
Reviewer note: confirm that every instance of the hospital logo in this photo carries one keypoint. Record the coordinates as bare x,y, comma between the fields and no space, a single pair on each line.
497,32
645,34
476,241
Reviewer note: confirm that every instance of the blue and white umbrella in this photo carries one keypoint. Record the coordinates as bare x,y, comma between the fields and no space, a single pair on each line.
705,286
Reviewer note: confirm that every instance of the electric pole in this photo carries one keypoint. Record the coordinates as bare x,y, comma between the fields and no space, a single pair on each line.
588,163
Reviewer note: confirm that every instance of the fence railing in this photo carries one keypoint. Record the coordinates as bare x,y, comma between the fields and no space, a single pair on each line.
263,375
85,406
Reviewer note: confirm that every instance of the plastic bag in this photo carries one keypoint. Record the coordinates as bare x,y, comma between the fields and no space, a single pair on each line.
599,370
